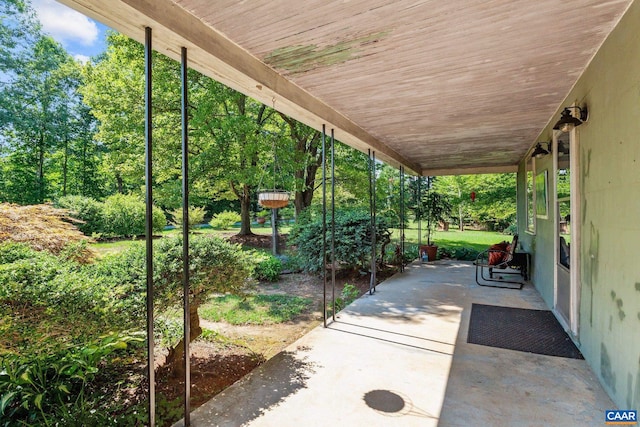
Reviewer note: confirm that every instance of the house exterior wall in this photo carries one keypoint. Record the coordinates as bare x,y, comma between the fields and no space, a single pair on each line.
609,223
541,243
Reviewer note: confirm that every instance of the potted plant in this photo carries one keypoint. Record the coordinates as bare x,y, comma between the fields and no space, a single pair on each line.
261,217
434,207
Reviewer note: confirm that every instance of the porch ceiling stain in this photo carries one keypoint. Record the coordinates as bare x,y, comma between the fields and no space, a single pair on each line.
438,86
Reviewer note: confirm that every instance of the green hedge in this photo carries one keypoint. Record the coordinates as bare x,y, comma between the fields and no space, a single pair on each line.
224,220
54,314
85,209
353,239
124,215
120,215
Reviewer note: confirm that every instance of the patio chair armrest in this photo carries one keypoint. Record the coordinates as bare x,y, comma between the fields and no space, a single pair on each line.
483,258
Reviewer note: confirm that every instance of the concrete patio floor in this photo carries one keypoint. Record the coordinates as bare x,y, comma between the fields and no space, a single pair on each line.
400,358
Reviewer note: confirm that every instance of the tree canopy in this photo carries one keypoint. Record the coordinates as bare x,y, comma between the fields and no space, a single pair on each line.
68,128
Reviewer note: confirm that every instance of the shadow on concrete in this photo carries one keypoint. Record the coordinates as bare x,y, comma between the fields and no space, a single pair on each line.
389,337
390,302
393,404
392,332
266,387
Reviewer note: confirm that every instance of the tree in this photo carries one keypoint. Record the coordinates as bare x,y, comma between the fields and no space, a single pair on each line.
307,159
113,88
36,107
43,227
458,188
495,202
42,117
231,135
432,206
215,266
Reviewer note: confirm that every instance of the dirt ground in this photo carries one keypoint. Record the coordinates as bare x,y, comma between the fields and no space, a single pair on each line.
268,340
215,366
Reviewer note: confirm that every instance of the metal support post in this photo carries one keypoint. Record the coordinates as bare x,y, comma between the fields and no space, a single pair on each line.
372,186
419,212
402,224
333,226
148,129
274,231
324,226
185,237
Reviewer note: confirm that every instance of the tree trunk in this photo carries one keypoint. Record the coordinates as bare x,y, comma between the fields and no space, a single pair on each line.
245,212
119,184
307,147
65,162
175,357
40,175
460,210
84,169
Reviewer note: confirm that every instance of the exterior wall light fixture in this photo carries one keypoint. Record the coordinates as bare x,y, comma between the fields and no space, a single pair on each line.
567,121
539,152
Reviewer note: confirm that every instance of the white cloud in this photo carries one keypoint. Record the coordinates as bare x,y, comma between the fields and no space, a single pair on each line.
65,24
83,59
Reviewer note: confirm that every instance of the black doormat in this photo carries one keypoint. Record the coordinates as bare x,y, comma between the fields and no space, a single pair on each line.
533,331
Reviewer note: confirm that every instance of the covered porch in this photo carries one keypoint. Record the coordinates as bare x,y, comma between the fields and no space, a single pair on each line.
438,88
401,357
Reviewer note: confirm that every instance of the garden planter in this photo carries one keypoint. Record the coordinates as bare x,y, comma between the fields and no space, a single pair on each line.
273,199
261,220
430,251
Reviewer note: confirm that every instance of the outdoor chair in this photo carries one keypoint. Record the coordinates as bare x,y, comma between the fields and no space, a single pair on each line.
509,263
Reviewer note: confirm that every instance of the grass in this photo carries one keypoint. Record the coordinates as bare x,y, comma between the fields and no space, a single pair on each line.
455,243
254,309
478,240
451,240
105,248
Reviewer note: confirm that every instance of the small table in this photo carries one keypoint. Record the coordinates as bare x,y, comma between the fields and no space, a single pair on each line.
521,261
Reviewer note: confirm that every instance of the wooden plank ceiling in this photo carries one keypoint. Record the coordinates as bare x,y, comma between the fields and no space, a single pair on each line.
439,86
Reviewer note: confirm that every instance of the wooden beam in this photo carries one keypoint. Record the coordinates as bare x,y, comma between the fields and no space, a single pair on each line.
470,171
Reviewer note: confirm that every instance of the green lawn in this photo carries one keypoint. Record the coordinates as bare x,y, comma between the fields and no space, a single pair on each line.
253,309
478,240
105,248
454,239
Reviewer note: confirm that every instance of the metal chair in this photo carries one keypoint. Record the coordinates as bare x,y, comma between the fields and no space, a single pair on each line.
507,261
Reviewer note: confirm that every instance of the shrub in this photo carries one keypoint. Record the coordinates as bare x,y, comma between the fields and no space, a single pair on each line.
123,274
224,220
124,215
512,229
348,295
269,269
353,242
85,209
42,389
410,253
459,253
291,262
11,252
50,295
42,227
25,275
215,266
196,216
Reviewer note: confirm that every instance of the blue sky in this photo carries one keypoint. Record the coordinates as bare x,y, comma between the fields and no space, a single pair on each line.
81,36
